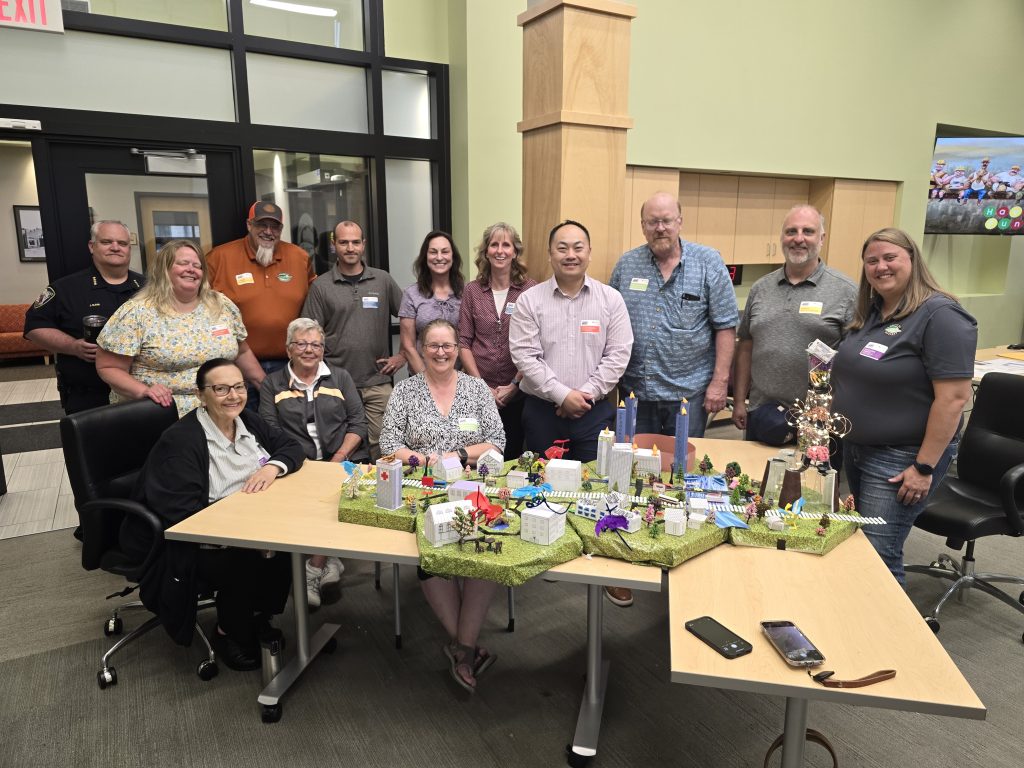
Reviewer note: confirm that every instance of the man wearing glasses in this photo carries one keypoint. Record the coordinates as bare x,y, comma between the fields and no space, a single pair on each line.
683,311
267,279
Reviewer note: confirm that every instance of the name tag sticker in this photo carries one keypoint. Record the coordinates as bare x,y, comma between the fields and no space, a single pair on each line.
219,330
874,350
244,279
510,307
810,307
369,302
590,326
469,424
638,283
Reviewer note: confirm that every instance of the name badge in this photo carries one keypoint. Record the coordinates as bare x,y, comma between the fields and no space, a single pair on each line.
219,330
810,307
638,283
369,302
510,308
590,326
244,279
469,424
874,350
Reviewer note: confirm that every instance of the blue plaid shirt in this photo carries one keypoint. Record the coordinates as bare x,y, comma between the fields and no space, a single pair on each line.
674,321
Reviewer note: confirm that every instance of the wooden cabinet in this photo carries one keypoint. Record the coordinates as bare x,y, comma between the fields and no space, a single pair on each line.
853,209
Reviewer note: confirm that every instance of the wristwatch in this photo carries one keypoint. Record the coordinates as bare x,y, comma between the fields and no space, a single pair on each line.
923,469
463,456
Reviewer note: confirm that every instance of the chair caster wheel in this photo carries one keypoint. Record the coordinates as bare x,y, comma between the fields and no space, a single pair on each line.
271,713
574,759
933,624
331,645
113,626
106,676
207,670
936,564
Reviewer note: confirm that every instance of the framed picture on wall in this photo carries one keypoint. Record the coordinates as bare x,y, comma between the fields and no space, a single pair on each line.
28,228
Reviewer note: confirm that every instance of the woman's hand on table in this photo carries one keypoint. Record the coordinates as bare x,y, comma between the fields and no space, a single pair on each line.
261,479
915,486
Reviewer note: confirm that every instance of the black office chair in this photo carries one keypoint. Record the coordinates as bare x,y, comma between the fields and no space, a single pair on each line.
986,498
104,450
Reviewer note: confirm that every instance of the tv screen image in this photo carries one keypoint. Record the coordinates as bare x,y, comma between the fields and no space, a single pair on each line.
976,187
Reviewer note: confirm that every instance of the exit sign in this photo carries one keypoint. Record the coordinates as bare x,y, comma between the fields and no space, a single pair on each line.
38,15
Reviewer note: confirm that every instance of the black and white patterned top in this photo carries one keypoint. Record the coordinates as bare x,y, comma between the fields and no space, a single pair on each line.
413,421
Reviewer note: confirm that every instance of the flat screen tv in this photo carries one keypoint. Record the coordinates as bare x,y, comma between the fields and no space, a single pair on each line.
976,187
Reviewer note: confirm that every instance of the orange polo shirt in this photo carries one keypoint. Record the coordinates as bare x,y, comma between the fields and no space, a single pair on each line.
269,297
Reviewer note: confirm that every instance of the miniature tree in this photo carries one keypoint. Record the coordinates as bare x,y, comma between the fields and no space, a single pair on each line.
705,466
526,460
483,471
464,523
732,469
414,461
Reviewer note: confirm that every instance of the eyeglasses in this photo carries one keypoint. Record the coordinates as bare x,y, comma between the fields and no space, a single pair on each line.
267,224
449,347
302,346
107,243
655,223
220,390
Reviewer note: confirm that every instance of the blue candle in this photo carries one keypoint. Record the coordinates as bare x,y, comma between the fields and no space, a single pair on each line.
620,423
630,417
682,432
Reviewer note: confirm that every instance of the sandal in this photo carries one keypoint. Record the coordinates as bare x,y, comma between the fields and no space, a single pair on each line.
482,661
461,670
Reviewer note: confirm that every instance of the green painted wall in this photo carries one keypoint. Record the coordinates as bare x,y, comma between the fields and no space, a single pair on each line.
801,87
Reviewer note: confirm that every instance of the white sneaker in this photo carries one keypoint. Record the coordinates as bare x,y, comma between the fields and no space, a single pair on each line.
330,582
313,578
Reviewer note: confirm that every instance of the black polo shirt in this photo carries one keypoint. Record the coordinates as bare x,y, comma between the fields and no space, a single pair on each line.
63,305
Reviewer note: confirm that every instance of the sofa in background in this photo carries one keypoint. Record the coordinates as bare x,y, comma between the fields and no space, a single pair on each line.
12,334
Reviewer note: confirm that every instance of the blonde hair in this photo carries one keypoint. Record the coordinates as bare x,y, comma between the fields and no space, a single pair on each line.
157,291
921,286
483,266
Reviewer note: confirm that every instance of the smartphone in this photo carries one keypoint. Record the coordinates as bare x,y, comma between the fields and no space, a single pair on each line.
792,644
722,639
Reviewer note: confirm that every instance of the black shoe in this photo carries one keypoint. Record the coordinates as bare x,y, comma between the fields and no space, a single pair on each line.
239,657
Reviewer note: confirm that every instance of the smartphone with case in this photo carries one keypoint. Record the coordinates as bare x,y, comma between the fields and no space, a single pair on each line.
792,644
719,637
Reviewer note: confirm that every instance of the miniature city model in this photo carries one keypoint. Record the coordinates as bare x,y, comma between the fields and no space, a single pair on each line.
389,482
491,459
543,524
648,461
437,523
564,475
460,489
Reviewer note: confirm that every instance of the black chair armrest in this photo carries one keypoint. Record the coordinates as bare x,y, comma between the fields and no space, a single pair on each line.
126,506
1007,492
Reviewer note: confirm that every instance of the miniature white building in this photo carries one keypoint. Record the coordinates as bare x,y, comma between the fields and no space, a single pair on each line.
633,521
648,461
611,504
696,505
437,523
605,441
516,478
450,469
564,474
696,520
389,484
675,521
620,469
460,489
588,509
543,524
493,460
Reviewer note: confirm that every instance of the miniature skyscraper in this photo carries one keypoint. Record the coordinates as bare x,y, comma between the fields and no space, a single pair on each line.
389,482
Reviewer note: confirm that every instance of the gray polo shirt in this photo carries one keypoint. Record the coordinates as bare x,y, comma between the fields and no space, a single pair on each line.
356,318
782,320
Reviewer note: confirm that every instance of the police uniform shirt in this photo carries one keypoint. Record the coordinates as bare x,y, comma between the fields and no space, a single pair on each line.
63,305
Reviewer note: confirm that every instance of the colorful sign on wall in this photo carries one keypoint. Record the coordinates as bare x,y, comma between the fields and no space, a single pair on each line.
39,15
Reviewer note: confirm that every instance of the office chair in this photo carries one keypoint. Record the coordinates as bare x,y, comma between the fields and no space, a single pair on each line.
104,450
986,498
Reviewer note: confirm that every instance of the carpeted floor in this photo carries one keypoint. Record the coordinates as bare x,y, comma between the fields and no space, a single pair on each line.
369,704
23,370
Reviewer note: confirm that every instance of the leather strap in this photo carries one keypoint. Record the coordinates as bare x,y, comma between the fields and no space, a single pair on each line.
826,679
813,736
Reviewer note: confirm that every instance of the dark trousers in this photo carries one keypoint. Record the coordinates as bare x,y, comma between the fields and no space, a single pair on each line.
543,427
249,587
512,420
77,399
269,366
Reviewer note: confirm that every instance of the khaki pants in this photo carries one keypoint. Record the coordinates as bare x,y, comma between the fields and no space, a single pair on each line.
375,400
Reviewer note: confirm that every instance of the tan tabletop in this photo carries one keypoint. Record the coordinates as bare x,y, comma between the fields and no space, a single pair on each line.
846,602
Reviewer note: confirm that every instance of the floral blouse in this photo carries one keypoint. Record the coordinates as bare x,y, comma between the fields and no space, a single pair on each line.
168,349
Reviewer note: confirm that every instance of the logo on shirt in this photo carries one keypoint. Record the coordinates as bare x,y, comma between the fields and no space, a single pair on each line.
895,329
44,297
284,277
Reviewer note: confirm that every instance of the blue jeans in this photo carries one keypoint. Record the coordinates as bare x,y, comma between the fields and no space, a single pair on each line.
868,469
658,417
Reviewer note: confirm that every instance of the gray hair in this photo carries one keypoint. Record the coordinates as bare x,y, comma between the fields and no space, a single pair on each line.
301,325
805,207
94,230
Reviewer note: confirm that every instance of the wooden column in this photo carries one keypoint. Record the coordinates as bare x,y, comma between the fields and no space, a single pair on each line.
575,97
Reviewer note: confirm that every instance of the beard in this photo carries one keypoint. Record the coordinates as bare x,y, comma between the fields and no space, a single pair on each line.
264,255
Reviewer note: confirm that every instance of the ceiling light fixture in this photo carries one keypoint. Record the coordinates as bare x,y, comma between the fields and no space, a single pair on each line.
310,10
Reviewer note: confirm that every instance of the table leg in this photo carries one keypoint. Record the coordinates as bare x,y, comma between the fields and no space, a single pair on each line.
588,724
398,605
795,734
307,648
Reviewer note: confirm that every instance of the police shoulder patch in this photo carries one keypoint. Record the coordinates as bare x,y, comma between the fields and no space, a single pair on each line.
44,297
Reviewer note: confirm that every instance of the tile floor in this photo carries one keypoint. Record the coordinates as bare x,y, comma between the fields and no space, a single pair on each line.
38,496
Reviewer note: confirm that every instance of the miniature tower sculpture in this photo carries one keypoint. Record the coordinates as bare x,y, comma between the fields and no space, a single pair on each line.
389,482
605,441
621,467
817,427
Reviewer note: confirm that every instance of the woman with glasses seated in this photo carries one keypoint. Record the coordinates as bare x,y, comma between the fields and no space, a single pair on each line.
212,452
436,294
436,414
319,407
